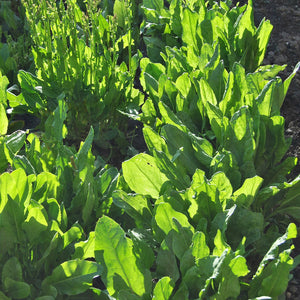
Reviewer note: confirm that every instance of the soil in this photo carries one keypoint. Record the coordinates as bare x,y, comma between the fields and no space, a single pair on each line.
284,48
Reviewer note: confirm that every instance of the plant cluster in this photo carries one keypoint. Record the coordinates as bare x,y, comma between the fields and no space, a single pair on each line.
206,212
15,43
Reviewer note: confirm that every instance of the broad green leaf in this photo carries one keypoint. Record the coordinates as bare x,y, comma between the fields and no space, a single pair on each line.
179,140
244,223
36,221
120,12
272,275
175,198
238,266
164,216
272,144
183,84
203,198
179,240
276,283
89,204
3,158
256,83
167,265
148,115
107,181
56,129
206,30
46,186
203,149
16,289
154,4
17,186
217,80
223,185
269,71
180,180
266,97
206,55
220,244
32,97
169,117
136,206
12,218
279,172
21,161
189,25
194,279
85,249
240,141
3,120
283,88
81,158
3,86
163,289
206,92
127,295
293,211
143,176
15,141
51,250
4,297
245,195
181,293
263,35
114,250
219,275
151,86
218,122
244,34
225,162
73,234
175,21
155,141
229,285
240,88
73,277
177,64
12,269
142,247
199,246
291,233
150,76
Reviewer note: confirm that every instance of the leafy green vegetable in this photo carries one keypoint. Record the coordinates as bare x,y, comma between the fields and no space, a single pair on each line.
204,213
72,277
114,251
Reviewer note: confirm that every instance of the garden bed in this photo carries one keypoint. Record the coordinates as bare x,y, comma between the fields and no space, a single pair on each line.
197,199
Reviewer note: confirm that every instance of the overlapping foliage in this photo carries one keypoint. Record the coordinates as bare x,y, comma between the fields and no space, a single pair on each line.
205,213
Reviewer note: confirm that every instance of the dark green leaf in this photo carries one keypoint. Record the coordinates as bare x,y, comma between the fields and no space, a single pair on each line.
73,277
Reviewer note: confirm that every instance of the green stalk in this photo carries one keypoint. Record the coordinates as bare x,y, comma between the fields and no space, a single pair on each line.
130,36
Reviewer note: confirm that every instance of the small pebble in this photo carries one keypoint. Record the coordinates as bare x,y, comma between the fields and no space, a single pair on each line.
271,53
288,295
293,289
